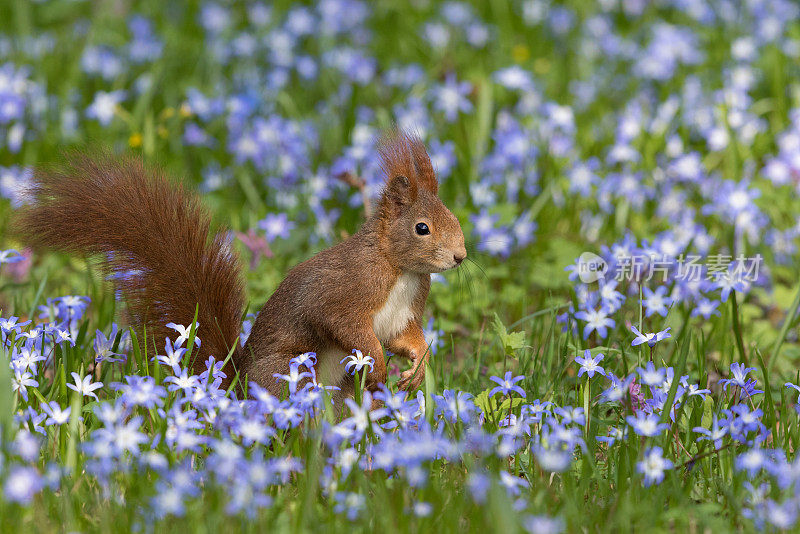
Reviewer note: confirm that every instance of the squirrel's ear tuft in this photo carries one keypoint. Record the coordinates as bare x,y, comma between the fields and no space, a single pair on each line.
426,177
404,154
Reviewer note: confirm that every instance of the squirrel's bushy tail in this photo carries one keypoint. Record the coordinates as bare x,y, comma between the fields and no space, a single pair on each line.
154,240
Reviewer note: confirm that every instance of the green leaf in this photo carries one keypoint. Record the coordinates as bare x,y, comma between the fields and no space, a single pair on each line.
512,403
511,342
487,404
6,397
708,411
769,414
430,389
787,323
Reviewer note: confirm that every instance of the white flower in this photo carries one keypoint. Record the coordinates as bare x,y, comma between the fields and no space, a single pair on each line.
104,106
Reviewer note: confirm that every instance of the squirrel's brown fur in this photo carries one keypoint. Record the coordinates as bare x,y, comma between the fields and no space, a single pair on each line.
366,291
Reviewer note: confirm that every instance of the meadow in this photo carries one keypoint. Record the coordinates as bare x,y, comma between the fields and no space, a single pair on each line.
619,353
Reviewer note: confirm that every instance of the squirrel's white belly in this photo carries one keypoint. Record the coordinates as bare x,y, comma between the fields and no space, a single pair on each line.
389,321
396,313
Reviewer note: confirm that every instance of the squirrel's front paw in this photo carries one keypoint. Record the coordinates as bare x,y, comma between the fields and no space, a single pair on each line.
410,380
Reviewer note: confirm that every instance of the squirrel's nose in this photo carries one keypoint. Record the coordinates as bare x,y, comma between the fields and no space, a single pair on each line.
458,258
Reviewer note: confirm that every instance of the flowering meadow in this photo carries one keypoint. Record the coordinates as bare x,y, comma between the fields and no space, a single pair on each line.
618,354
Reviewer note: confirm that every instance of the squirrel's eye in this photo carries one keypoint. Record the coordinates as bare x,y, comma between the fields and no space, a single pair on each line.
422,229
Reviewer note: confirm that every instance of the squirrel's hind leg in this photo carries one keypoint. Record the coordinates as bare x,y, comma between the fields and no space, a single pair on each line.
347,390
263,371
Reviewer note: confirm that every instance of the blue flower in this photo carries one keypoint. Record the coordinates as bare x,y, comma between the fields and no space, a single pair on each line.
782,515
22,484
140,391
478,484
507,384
169,500
55,415
656,301
590,365
751,461
646,424
84,385
750,389
739,377
173,356
451,98
294,377
618,389
796,388
362,416
422,509
515,78
497,242
145,47
349,503
651,339
571,414
125,435
287,415
728,282
433,337
183,381
26,358
706,308
308,359
535,411
443,157
357,361
511,483
653,465
614,434
276,225
597,320
10,256
184,332
552,459
542,524
714,434
694,389
10,325
103,346
611,298
747,420
455,406
651,376
102,61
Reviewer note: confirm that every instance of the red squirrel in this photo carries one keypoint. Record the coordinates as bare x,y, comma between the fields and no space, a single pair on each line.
155,240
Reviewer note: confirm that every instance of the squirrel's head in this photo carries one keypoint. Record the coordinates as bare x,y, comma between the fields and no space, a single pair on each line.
424,236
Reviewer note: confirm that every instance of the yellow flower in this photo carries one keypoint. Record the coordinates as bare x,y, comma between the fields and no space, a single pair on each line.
162,132
168,113
520,53
185,110
135,140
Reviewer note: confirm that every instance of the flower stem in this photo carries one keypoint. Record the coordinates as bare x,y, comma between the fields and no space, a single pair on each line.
586,405
357,386
737,329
